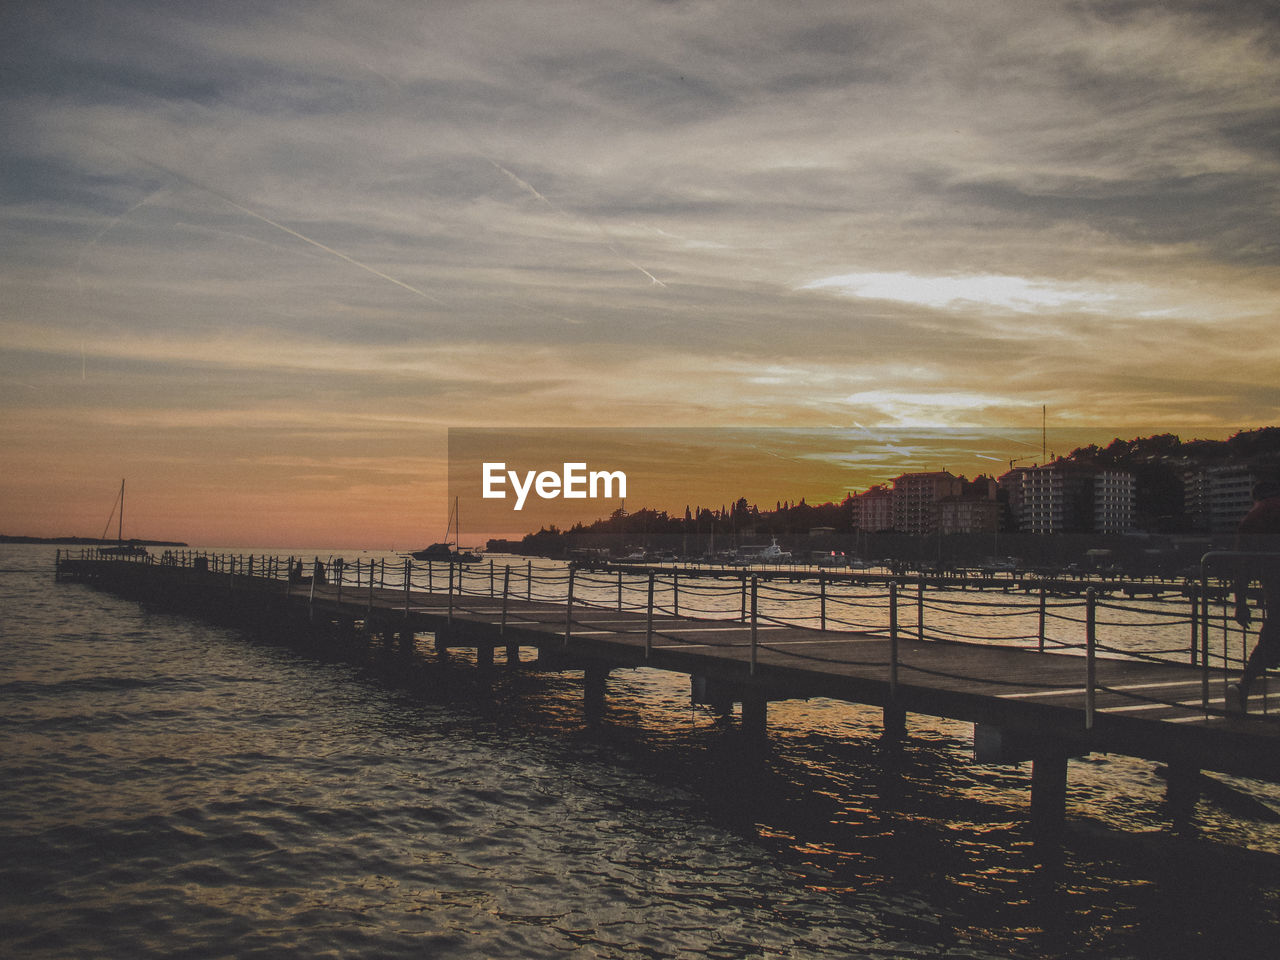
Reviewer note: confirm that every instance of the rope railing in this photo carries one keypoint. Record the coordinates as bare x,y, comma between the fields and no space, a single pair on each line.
1195,626
943,632
993,611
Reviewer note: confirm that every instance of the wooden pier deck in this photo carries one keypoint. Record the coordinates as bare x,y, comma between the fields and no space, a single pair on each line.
1025,705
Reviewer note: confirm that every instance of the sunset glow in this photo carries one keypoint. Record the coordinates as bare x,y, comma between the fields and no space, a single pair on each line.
260,264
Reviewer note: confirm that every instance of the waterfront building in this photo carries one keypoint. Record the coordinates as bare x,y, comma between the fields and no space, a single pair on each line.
969,514
1217,497
1070,497
873,510
916,499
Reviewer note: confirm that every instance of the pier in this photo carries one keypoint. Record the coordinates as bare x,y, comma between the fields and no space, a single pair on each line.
1044,696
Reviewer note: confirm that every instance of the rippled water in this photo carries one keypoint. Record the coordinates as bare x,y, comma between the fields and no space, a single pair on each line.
170,788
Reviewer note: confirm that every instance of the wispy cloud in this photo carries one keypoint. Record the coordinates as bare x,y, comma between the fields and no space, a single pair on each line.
567,212
1008,293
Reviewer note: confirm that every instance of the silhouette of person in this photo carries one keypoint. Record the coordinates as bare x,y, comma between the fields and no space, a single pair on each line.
1258,532
317,572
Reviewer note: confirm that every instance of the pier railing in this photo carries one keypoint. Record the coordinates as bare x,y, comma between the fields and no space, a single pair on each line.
1193,626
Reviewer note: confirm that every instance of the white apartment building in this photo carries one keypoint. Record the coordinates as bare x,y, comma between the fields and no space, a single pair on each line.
1218,497
916,497
1068,497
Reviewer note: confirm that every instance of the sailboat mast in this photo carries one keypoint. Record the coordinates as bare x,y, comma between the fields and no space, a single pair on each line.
120,519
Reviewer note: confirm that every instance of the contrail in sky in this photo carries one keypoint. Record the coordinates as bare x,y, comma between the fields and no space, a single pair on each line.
327,249
111,223
529,188
280,226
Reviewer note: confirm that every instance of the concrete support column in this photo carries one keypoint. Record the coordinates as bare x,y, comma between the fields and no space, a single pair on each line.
1182,790
406,641
513,654
1048,792
593,690
484,656
895,722
755,714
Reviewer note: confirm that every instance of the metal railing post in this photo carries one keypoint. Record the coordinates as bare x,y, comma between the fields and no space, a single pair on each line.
1204,640
490,579
920,608
408,578
893,639
648,635
754,622
568,609
675,593
528,580
1091,665
619,591
506,590
1194,592
743,615
1226,641
449,615
1040,631
822,603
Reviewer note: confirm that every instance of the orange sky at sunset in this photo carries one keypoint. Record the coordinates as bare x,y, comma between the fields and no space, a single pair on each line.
260,265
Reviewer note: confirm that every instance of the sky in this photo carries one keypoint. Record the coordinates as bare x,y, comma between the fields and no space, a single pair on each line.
260,258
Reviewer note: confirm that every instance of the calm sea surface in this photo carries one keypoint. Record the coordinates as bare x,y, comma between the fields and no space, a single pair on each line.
173,789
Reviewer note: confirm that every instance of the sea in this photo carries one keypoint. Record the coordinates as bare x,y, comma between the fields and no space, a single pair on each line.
173,788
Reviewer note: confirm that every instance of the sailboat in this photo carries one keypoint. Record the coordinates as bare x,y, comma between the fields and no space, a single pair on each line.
446,551
130,549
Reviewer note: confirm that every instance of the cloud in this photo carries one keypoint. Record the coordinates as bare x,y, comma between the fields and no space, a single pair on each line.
458,211
1008,293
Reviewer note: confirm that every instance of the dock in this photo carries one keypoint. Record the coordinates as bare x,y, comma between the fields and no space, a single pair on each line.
1027,703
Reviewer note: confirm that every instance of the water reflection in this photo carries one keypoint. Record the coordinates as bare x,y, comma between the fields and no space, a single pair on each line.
173,787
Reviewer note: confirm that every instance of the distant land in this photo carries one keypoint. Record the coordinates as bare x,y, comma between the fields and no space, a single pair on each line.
89,541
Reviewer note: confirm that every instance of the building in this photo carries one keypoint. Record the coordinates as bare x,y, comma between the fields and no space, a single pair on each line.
1011,485
1070,497
969,515
1218,497
873,510
916,499
1114,499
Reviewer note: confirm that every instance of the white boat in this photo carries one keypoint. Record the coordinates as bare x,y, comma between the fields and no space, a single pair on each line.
774,553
